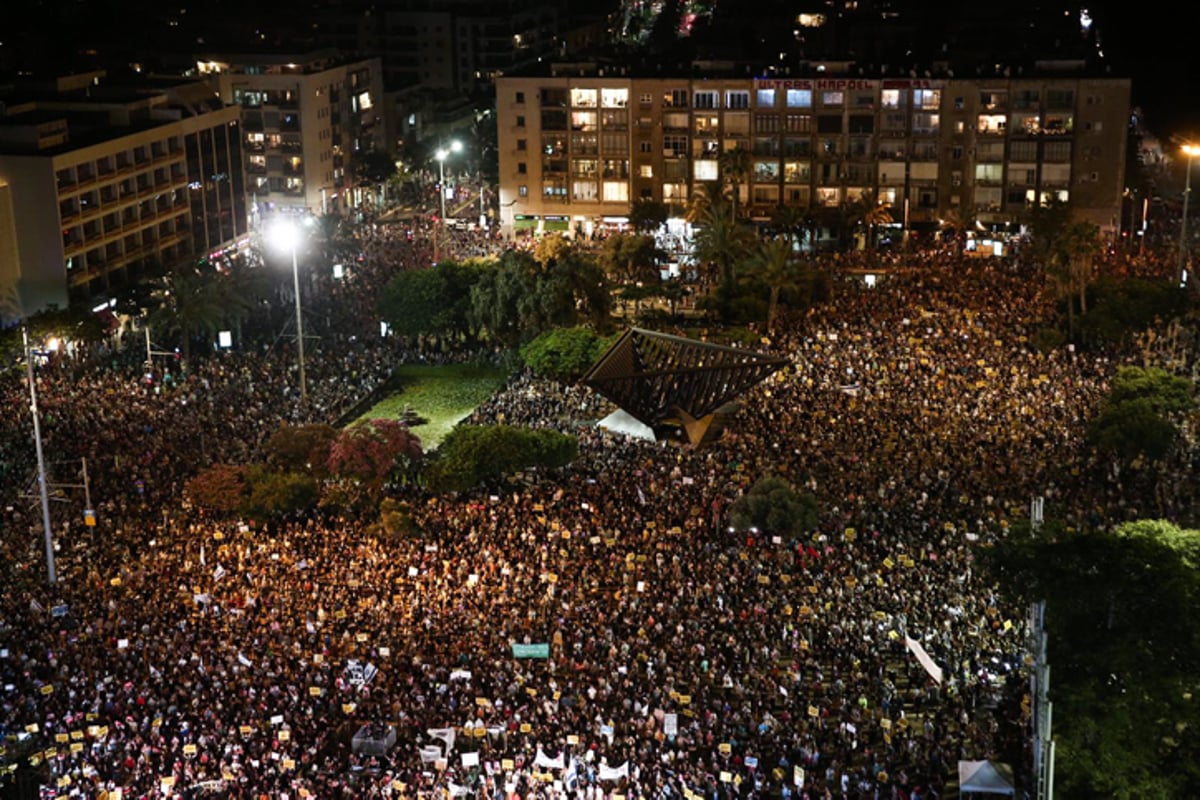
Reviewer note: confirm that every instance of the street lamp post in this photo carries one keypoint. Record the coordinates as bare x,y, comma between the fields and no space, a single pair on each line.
441,155
1189,150
41,461
287,236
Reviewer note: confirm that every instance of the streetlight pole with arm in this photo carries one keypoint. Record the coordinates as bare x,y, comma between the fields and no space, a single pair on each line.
287,236
1189,150
441,155
51,575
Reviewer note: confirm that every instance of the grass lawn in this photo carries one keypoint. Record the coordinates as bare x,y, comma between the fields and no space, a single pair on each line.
442,395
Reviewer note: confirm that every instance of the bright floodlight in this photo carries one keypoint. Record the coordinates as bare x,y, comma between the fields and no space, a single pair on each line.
456,146
441,154
284,234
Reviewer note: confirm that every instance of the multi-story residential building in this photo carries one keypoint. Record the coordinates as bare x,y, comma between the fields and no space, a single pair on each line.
579,143
97,181
306,117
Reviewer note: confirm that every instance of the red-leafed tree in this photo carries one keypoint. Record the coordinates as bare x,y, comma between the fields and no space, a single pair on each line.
221,488
373,452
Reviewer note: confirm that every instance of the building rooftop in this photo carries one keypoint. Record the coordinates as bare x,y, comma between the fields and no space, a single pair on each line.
51,118
625,66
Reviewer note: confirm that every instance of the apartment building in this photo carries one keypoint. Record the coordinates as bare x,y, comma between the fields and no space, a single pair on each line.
579,143
97,181
306,117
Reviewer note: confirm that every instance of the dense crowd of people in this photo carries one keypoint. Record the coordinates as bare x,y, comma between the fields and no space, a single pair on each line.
599,632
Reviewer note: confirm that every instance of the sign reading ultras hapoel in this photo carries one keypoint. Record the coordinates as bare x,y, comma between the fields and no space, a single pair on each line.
846,84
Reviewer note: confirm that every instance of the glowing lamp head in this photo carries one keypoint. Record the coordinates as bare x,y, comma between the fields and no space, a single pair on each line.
284,235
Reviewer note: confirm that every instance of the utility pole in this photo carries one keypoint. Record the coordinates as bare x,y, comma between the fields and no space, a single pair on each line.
51,576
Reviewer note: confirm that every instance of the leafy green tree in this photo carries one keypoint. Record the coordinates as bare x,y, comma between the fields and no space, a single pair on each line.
435,301
772,505
632,257
374,167
1121,308
1138,415
517,299
1123,630
274,494
647,215
1047,222
474,454
551,248
564,354
1166,392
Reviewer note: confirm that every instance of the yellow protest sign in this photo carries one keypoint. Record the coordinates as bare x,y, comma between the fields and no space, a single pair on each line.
314,691
189,749
814,712
507,764
62,738
725,748
526,727
47,689
76,747
285,735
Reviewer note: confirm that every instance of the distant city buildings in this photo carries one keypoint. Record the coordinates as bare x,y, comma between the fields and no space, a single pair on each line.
579,143
306,118
98,181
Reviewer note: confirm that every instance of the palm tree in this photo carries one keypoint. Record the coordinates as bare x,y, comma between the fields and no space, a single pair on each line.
1081,244
707,195
722,242
958,221
874,213
775,264
735,166
242,288
190,301
790,221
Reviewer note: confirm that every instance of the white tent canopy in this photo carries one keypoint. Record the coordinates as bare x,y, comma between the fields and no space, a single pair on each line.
621,421
985,777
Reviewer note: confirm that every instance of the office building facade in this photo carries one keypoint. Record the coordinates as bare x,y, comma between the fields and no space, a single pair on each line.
96,188
578,146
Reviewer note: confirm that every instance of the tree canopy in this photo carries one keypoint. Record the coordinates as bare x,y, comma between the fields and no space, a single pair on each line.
1136,417
772,505
1123,627
474,454
564,354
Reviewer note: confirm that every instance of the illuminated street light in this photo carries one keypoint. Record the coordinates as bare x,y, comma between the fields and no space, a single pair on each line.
441,155
286,235
1189,150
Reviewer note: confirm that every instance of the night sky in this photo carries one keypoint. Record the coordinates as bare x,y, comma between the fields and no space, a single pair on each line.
1148,45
